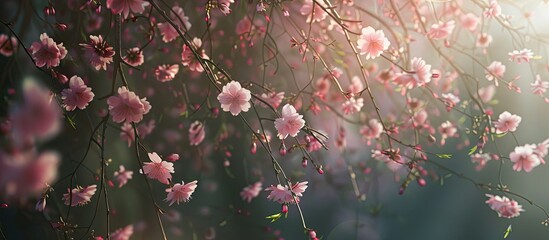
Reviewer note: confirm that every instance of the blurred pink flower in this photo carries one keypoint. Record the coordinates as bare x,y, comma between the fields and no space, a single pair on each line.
307,9
290,123
484,40
273,98
539,87
158,169
505,207
507,122
46,52
352,105
441,29
134,57
127,107
520,56
181,193
78,95
166,73
122,233
372,130
80,195
372,42
127,134
419,75
188,58
251,191
494,71
480,160
98,52
234,98
167,31
493,10
469,21
524,158
196,133
122,175
446,129
125,6
356,85
8,45
224,6
487,93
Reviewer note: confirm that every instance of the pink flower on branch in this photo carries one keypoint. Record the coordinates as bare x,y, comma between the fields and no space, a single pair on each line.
8,45
494,71
98,52
196,133
168,32
525,158
441,30
125,6
290,123
372,42
134,57
122,233
188,59
158,169
46,52
122,176
234,98
250,192
505,207
507,122
78,95
166,73
80,195
127,107
283,195
181,192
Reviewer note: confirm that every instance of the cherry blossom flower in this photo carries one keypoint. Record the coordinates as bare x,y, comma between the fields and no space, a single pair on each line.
78,95
127,107
225,6
98,52
352,105
356,85
450,100
493,10
420,75
290,123
188,58
283,195
505,207
372,130
134,57
272,98
8,45
372,42
46,52
446,129
122,233
494,71
507,122
251,191
158,169
234,98
441,30
524,158
469,21
196,133
312,144
484,40
127,134
480,160
168,32
523,55
122,175
539,87
80,195
487,93
166,73
181,193
307,9
125,6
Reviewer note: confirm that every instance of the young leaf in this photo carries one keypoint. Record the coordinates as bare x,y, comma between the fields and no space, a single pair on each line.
506,233
274,217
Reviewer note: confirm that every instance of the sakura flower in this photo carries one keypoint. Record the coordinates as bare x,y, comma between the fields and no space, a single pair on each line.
441,30
307,9
283,195
493,10
134,57
487,93
78,95
181,193
420,75
505,207
372,42
234,98
127,107
313,144
188,59
507,122
480,160
125,6
168,32
447,129
80,195
541,150
372,130
8,45
166,73
225,6
122,175
469,21
450,100
352,105
539,87
290,123
46,52
127,134
494,71
158,169
122,233
251,191
524,158
523,55
98,52
484,40
196,133
356,85
272,98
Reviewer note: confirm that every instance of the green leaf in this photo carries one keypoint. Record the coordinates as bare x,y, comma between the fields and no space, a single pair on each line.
509,230
444,155
274,217
473,149
71,122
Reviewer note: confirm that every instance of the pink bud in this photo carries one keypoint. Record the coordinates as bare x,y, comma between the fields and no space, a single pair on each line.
283,150
61,26
421,182
228,154
253,148
319,169
111,184
312,234
284,208
172,157
401,191
4,205
304,162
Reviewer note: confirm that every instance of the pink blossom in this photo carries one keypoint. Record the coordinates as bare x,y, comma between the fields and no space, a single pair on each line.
78,95
356,85
282,194
493,10
480,160
234,98
372,130
469,21
352,105
122,233
134,57
307,9
507,122
447,129
181,193
523,55
166,73
158,169
122,175
494,71
225,6
127,134
524,158
168,32
487,93
290,123
8,45
420,75
251,191
196,133
188,58
125,6
450,100
505,207
484,40
272,98
441,30
46,52
539,87
98,52
541,150
313,144
127,107
80,195
372,42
